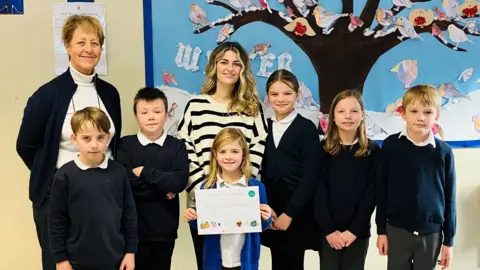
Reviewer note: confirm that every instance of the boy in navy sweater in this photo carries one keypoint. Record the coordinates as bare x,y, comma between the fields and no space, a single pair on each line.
92,218
158,168
416,215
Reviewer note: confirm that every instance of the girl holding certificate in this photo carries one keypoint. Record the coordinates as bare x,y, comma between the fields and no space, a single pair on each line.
290,174
228,98
230,168
346,190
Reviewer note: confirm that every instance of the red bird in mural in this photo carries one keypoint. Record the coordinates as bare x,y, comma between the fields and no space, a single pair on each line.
264,5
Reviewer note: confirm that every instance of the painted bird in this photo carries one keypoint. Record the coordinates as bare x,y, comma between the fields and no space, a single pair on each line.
264,5
355,22
242,4
168,78
457,35
259,49
407,72
449,91
402,3
198,17
325,19
437,32
476,122
385,18
451,9
406,29
302,6
224,33
440,15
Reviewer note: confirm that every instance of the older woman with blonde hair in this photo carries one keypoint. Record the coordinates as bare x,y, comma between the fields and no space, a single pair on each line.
43,141
228,98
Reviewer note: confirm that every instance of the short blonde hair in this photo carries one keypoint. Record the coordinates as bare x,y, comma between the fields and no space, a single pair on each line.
91,115
245,97
88,23
426,94
224,137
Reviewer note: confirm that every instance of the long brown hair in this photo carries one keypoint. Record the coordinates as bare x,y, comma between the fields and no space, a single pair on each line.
333,144
284,76
224,137
245,97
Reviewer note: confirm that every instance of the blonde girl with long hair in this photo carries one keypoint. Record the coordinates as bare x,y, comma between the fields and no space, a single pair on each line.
346,191
228,98
231,168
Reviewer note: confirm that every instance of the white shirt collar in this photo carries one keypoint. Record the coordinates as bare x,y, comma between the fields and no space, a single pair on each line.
430,139
145,141
80,77
354,142
222,183
84,167
287,119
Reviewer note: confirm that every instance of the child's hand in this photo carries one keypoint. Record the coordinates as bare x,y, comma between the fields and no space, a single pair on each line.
445,256
382,245
65,265
274,215
190,214
335,240
137,171
348,238
170,195
265,211
128,262
283,222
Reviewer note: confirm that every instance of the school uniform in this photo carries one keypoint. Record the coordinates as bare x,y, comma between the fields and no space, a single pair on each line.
92,217
165,169
345,200
202,120
290,174
416,200
44,143
234,251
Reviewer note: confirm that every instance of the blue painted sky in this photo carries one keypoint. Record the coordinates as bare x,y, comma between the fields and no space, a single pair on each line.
437,63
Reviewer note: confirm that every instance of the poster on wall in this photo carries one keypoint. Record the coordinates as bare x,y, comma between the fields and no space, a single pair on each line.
61,11
379,47
11,7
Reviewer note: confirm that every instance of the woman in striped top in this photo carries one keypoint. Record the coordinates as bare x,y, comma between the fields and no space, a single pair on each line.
228,98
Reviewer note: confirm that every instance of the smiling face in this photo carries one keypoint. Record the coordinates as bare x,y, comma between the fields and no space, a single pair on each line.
348,114
151,116
84,50
230,158
282,99
228,69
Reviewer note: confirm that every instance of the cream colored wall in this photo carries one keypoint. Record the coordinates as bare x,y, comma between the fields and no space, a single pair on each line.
26,62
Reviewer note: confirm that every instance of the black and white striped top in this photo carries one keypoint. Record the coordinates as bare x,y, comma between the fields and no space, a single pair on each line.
202,121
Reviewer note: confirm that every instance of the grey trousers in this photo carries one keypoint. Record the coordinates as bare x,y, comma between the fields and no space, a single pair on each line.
349,258
407,251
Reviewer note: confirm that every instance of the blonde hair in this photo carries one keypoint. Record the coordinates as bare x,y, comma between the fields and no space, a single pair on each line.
92,115
88,23
333,144
426,94
224,137
245,98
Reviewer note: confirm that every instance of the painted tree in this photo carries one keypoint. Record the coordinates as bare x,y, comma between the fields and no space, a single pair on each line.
342,58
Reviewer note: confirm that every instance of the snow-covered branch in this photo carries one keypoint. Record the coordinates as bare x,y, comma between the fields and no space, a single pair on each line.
222,4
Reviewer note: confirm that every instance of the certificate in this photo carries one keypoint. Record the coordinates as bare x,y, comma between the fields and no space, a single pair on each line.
228,210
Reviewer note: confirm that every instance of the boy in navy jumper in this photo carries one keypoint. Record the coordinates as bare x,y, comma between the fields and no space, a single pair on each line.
158,168
416,215
92,218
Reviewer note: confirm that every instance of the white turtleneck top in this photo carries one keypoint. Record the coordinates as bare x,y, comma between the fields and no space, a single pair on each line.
85,96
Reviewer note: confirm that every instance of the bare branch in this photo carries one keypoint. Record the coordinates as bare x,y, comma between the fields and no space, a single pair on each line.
449,45
222,4
347,6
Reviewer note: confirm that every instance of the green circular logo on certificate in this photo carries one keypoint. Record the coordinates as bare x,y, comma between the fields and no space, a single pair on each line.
251,193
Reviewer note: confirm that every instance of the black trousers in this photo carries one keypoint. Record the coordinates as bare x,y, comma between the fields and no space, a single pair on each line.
233,268
287,257
198,246
348,258
40,216
407,251
154,255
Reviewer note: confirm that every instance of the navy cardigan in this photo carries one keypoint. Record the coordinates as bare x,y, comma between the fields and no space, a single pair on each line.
41,128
